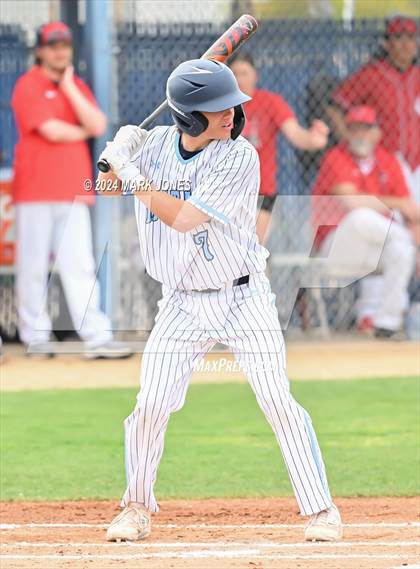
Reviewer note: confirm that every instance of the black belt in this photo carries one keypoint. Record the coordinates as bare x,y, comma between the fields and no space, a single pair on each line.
241,281
237,282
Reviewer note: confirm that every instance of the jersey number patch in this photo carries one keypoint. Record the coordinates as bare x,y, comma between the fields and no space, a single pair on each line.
202,240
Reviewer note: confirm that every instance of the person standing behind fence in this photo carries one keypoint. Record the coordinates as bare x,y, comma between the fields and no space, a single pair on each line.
55,114
267,115
355,231
390,83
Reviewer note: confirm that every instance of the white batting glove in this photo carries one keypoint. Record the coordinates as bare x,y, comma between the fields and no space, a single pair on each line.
127,142
116,158
130,138
131,179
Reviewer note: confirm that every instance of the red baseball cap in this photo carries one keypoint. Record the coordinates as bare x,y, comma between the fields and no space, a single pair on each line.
52,33
362,114
400,25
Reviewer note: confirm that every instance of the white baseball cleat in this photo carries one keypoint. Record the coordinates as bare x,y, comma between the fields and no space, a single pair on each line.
325,526
133,524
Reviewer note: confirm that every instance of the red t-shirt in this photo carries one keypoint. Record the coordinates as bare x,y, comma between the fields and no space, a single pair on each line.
395,96
382,177
265,115
44,170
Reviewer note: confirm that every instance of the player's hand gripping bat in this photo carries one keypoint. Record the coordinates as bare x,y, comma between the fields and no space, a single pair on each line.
221,50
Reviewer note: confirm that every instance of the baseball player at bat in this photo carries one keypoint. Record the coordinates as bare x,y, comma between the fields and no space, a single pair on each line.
197,187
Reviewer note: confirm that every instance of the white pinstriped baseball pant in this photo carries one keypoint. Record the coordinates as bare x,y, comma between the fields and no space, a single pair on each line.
187,325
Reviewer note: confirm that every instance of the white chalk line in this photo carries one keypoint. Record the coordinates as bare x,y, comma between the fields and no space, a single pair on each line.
207,544
254,554
7,526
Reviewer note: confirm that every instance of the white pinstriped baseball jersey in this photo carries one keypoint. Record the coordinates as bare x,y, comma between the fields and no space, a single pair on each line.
222,180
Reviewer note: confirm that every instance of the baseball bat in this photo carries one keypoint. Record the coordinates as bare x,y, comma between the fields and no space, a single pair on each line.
232,39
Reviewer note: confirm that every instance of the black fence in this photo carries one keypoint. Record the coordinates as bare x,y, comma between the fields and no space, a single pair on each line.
301,60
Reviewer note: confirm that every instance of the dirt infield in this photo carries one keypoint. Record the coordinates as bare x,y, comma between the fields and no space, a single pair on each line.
305,360
379,533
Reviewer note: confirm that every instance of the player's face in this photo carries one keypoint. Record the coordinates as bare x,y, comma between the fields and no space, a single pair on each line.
402,49
246,76
56,56
362,139
220,124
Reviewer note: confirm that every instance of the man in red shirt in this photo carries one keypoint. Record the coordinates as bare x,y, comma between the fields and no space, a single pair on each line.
55,114
390,83
367,218
267,115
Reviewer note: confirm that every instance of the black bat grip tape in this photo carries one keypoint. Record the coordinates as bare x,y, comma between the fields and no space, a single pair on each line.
103,166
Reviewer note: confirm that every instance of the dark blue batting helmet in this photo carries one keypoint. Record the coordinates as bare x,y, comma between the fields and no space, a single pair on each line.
204,85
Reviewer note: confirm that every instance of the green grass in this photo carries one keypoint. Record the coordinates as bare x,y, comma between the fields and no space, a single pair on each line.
68,444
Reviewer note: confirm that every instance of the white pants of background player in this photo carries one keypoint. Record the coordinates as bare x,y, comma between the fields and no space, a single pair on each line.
187,325
365,238
62,229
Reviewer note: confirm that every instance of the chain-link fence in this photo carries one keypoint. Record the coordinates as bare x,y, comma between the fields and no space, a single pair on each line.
305,62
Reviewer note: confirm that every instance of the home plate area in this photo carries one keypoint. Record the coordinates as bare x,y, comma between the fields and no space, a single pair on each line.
379,533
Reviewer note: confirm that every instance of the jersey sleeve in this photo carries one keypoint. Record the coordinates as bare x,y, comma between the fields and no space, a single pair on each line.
30,106
280,109
231,181
353,91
